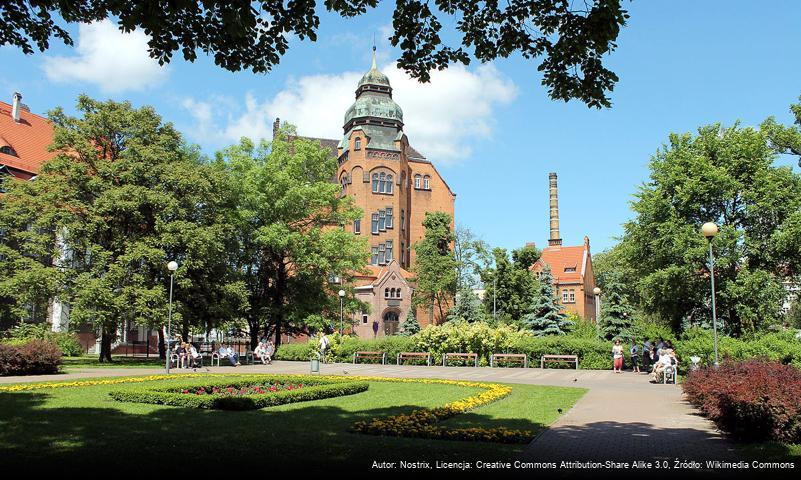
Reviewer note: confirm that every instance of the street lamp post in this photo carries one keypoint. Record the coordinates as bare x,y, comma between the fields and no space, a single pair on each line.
172,267
494,298
597,292
341,312
709,230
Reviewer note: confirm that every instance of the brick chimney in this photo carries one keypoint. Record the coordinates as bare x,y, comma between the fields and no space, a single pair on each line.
555,239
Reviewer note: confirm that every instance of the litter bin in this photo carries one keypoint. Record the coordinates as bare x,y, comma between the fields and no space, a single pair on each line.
315,365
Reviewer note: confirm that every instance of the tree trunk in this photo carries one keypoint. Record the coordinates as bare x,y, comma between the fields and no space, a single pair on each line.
253,327
162,346
277,335
105,346
185,329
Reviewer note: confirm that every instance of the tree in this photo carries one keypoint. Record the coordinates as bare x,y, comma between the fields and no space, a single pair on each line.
794,314
435,267
545,315
617,314
472,254
468,307
410,326
288,214
725,175
243,34
98,225
510,286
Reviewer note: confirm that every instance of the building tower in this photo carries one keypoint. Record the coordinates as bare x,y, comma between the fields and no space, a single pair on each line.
555,239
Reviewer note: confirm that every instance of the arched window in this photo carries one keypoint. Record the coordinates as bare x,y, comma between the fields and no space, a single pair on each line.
417,181
357,145
386,293
389,184
427,183
382,184
375,183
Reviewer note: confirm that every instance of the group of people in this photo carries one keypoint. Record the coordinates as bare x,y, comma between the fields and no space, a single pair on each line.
656,355
264,351
188,356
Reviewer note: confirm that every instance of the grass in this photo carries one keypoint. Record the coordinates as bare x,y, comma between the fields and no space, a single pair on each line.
770,451
82,426
91,361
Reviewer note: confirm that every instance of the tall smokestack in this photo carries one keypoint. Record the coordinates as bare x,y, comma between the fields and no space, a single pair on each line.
16,106
554,240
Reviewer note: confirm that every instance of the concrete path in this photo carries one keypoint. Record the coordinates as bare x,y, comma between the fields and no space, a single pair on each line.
622,417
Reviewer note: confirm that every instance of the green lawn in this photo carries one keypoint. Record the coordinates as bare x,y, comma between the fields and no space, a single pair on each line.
82,426
91,361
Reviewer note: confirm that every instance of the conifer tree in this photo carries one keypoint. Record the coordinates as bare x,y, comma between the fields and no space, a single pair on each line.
468,307
545,316
617,314
410,326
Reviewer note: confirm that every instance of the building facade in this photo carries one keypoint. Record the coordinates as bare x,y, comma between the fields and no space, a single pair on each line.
394,185
571,266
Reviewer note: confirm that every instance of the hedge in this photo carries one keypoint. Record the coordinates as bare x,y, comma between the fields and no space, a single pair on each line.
780,347
35,357
313,389
751,400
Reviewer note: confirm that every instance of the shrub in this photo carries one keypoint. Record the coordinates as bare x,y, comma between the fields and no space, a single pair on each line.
781,347
36,357
751,400
24,332
477,337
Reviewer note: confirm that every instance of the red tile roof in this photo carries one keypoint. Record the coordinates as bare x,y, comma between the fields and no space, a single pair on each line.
374,273
29,138
560,258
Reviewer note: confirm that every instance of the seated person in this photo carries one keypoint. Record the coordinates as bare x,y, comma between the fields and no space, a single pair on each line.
230,354
261,353
193,356
666,359
269,350
180,351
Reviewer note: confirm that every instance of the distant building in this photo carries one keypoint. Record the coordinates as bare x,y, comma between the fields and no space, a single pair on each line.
571,267
394,185
24,138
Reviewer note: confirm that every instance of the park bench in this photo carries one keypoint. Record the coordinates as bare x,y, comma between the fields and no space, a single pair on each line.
559,358
495,357
408,355
376,355
464,356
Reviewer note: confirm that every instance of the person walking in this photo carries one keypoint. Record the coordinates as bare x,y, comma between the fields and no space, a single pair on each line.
646,354
617,356
324,344
634,351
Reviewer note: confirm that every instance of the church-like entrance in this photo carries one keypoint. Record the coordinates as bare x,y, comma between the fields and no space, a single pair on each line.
391,323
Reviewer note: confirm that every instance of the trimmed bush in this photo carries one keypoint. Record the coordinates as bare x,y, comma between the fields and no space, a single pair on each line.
312,389
36,357
779,347
751,400
68,343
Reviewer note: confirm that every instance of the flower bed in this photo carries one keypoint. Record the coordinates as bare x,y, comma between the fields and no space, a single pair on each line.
753,400
244,393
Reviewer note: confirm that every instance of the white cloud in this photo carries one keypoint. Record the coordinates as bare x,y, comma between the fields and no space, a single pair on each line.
108,58
442,118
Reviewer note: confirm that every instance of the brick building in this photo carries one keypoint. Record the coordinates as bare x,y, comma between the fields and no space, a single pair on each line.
571,267
394,185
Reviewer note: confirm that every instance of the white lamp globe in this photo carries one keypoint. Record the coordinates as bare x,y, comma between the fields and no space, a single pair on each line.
342,293
596,291
709,229
172,266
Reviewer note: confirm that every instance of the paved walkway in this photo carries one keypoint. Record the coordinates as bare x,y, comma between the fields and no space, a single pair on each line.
622,417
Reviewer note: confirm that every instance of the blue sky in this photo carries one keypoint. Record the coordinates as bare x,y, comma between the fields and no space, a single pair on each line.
491,130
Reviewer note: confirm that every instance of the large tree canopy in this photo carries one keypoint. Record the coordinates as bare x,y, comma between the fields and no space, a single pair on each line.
571,37
725,175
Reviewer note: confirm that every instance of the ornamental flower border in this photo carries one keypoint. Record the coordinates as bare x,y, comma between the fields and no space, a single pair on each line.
419,423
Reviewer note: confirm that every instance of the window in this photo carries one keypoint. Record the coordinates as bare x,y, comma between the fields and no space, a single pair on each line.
364,318
375,183
374,224
357,226
389,217
357,145
381,254
570,269
344,183
426,183
374,257
564,296
389,184
386,293
417,181
572,296
389,251
403,253
382,183
8,150
382,220
403,220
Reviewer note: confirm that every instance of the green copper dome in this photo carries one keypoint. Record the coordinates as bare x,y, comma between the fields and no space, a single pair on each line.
372,105
374,77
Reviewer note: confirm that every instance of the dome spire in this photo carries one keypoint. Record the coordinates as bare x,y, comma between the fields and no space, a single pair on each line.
374,67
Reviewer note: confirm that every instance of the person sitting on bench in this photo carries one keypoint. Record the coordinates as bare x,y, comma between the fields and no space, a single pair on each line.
230,354
261,353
